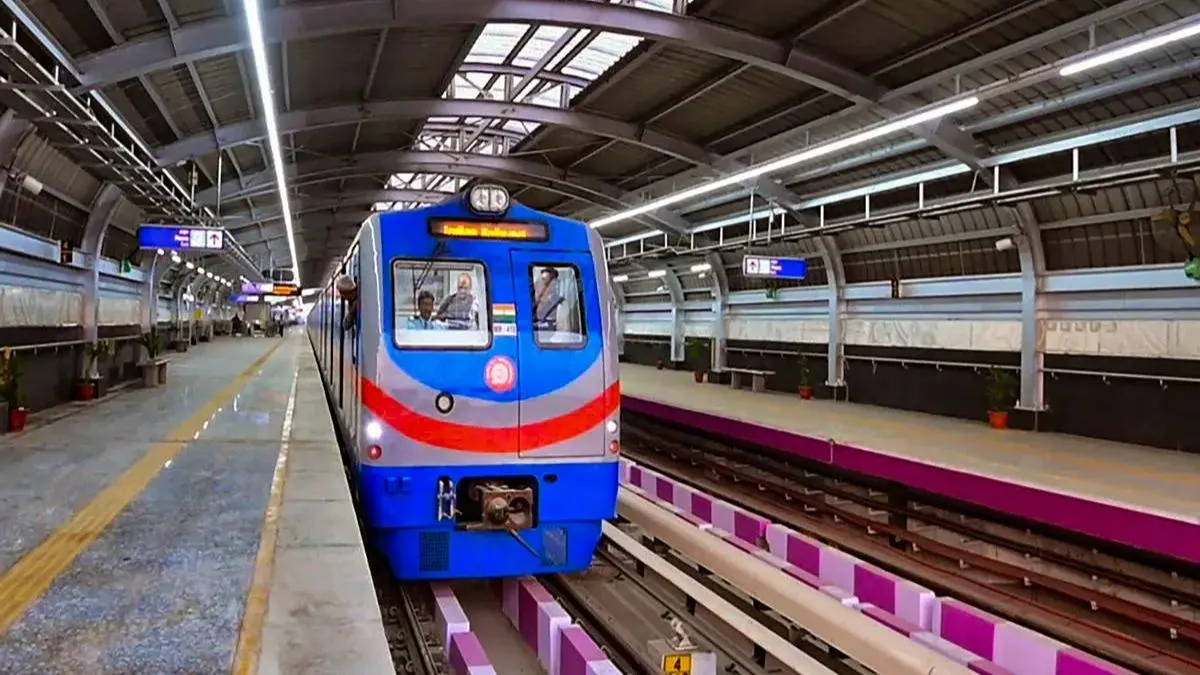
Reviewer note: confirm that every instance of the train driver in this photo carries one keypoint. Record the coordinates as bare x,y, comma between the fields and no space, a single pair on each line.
547,300
424,319
461,309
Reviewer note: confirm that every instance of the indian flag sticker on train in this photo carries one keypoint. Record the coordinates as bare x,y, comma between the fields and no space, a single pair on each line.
500,374
504,319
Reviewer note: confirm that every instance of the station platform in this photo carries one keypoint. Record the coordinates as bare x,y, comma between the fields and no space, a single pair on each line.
1137,496
190,528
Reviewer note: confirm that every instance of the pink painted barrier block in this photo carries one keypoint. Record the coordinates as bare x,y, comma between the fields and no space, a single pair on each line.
1072,662
891,620
1024,651
635,475
551,620
702,507
794,547
623,471
507,592
466,656
897,596
530,596
967,627
837,568
449,617
580,655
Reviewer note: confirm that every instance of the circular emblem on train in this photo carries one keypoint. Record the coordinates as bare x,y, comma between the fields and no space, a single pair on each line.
500,374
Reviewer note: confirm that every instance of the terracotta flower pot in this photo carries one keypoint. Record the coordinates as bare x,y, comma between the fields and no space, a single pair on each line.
85,390
699,375
998,419
806,393
17,417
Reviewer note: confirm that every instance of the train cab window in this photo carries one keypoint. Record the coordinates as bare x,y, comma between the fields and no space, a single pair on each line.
441,304
557,306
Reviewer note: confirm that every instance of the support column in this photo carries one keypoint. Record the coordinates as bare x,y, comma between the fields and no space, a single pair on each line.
104,206
678,329
156,268
1033,273
720,291
835,276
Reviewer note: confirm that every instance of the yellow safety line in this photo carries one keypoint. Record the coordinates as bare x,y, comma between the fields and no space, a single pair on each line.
28,580
249,644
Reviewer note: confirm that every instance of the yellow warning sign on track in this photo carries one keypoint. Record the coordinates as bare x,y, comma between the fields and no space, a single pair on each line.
677,664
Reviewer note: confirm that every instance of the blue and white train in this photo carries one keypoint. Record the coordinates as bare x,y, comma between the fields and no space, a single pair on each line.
469,349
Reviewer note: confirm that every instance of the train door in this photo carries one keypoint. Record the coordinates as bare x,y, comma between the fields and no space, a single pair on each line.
558,344
351,410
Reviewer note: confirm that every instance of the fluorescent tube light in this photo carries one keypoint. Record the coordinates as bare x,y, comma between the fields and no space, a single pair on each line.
654,274
1114,55
791,160
701,267
620,277
267,104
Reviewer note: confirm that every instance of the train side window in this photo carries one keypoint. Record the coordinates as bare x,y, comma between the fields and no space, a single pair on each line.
441,304
558,321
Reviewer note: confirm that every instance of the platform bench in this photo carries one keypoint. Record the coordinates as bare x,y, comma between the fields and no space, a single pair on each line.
758,378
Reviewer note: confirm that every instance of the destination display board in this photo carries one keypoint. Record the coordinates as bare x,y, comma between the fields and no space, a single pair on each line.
270,288
774,267
177,238
471,229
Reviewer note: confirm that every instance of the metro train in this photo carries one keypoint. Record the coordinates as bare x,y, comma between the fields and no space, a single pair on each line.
469,352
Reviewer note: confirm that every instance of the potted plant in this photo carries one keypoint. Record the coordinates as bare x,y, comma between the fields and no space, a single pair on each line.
1001,391
91,385
806,390
13,394
696,355
154,366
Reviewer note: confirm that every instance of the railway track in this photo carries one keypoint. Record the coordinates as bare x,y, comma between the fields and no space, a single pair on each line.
1129,613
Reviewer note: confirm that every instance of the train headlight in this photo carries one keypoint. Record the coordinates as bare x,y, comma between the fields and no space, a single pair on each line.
374,430
488,199
611,426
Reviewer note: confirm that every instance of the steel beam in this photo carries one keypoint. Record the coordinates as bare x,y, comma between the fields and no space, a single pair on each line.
243,220
227,35
480,166
13,132
105,204
316,118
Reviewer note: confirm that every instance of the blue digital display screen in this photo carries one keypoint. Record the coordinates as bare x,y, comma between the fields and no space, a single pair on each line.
176,238
775,268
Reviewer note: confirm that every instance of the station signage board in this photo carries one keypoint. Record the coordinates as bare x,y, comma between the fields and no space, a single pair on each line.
177,238
774,267
270,288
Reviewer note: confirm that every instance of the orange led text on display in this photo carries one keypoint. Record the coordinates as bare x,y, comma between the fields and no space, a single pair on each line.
463,229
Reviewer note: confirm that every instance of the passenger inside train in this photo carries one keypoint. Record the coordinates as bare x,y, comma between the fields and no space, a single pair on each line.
461,308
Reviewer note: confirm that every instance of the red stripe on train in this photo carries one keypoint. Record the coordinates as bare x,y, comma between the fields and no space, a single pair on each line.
495,440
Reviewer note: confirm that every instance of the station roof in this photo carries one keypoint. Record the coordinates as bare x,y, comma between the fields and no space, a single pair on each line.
591,108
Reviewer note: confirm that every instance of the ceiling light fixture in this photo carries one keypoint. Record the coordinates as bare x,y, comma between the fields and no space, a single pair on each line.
262,73
822,150
1137,47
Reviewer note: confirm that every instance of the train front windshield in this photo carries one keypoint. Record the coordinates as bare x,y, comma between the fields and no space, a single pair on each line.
441,304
